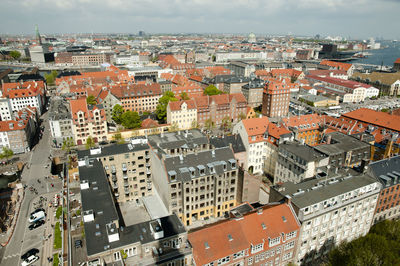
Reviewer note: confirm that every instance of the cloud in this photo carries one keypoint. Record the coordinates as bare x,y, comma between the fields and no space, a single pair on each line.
360,18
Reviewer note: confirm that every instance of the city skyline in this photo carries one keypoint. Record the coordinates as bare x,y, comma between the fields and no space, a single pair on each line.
359,19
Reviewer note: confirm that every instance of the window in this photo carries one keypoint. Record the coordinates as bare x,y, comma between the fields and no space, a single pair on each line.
257,248
291,235
250,261
224,260
287,256
238,255
274,241
289,245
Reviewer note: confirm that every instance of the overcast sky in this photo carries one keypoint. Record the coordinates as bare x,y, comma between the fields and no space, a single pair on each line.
347,18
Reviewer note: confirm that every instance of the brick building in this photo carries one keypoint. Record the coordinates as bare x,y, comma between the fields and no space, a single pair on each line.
276,99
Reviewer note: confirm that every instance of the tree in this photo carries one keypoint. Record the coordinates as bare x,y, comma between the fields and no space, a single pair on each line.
118,138
90,143
7,153
194,124
209,124
242,116
91,100
184,96
212,90
381,246
226,123
161,109
67,145
131,119
51,77
15,55
117,113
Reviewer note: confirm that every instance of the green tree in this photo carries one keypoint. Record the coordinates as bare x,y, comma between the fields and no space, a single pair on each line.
15,55
91,100
67,145
117,113
118,138
242,116
131,120
7,153
209,124
184,96
212,90
51,77
161,109
174,127
90,143
226,123
194,124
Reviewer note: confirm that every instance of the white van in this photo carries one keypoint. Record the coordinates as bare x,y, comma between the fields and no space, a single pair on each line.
30,260
37,216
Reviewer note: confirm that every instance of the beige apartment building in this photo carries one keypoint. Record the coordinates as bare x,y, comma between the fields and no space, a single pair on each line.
127,168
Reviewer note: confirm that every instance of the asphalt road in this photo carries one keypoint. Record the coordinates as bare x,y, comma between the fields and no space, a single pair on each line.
24,239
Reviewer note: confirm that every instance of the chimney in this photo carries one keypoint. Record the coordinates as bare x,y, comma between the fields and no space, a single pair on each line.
288,200
328,140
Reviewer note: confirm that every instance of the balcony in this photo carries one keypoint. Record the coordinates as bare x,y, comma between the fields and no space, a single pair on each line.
124,168
115,186
126,184
125,177
113,170
126,189
114,178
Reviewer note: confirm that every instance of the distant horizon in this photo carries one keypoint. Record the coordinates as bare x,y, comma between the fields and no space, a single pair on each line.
359,19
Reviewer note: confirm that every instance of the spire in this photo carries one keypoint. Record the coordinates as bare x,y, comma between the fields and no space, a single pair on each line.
38,34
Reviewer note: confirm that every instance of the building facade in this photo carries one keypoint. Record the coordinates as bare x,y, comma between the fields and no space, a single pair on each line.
60,121
183,114
276,98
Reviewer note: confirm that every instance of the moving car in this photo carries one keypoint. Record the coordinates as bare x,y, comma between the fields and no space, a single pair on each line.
36,224
37,216
30,260
31,252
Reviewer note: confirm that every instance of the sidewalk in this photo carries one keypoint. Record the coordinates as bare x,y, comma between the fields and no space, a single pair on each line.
5,238
48,242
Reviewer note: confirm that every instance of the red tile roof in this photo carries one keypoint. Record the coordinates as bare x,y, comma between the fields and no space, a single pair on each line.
26,89
373,117
338,65
212,242
177,105
307,122
340,82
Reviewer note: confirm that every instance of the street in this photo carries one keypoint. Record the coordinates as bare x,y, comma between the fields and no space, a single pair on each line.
23,239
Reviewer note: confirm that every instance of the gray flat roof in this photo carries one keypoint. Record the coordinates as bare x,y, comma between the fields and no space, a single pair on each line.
313,194
225,141
305,152
387,171
114,149
340,143
201,161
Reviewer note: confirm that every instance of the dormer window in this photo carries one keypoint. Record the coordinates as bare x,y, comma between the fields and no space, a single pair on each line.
172,175
232,163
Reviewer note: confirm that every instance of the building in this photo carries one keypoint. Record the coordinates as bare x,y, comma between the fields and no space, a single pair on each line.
253,92
60,121
387,83
127,167
267,235
349,68
260,138
347,90
5,109
138,97
25,94
387,172
18,134
194,181
344,150
335,207
241,68
87,121
306,128
276,98
219,108
108,101
109,239
318,100
83,58
234,84
297,162
183,114
396,65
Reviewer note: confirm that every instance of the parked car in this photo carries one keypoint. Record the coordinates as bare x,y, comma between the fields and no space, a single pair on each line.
31,252
37,216
36,211
36,224
30,260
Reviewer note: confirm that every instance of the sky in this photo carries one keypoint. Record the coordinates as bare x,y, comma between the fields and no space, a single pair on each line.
358,19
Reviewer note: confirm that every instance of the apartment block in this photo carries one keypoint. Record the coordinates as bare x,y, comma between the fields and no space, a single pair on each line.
127,168
336,206
305,127
87,120
111,240
253,92
194,181
344,150
267,235
183,114
60,121
387,172
276,99
297,162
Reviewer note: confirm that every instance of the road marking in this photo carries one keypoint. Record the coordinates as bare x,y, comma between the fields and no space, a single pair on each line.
10,256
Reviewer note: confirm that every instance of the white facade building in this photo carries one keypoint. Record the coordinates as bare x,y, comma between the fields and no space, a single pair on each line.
5,109
183,114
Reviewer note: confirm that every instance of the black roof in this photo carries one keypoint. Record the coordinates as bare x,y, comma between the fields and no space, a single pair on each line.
113,149
27,77
386,171
225,141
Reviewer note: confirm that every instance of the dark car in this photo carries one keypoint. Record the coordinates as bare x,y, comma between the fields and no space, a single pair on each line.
36,224
78,243
31,252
